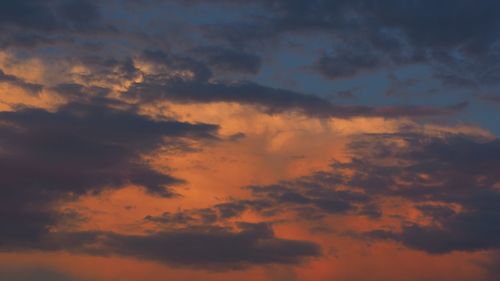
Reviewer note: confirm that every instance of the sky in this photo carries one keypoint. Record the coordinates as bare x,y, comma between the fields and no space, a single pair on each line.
273,140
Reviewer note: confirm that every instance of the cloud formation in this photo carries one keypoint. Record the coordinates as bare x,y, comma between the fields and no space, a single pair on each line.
84,147
210,247
247,140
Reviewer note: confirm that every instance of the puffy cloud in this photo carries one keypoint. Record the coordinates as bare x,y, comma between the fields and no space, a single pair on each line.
454,171
207,247
93,144
112,81
370,35
85,146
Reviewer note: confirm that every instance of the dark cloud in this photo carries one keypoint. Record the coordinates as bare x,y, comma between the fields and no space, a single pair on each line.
456,37
73,91
221,212
186,218
98,140
29,22
229,60
49,15
270,100
200,71
81,13
346,94
28,14
101,72
452,180
93,144
457,171
181,218
445,23
471,230
348,63
400,87
492,98
253,244
83,147
108,67
230,209
310,197
33,273
491,265
19,82
207,247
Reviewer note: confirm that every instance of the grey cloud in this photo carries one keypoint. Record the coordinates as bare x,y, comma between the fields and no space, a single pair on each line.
83,147
459,170
49,15
270,100
208,247
34,273
434,173
19,82
348,63
229,60
391,33
92,144
29,23
180,63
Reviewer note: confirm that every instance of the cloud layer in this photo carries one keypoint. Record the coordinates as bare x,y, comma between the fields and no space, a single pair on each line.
264,140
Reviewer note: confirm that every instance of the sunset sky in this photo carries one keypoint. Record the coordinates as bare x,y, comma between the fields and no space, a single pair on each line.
266,140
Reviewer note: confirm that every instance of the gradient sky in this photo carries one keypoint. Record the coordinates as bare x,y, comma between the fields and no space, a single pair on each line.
278,140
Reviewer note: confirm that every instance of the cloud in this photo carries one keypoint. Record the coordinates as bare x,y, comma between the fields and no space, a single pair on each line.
92,144
253,244
207,247
106,72
455,37
453,170
30,274
270,100
229,60
348,63
309,198
28,23
367,35
317,193
472,230
85,146
197,70
16,81
49,15
450,179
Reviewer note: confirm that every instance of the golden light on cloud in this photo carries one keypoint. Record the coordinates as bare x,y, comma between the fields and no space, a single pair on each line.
303,141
